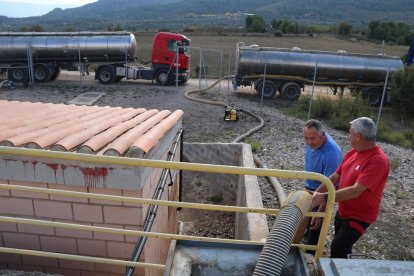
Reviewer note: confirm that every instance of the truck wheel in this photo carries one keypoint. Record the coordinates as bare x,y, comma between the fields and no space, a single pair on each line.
118,78
182,81
18,75
291,91
162,77
269,90
55,74
41,73
106,74
373,96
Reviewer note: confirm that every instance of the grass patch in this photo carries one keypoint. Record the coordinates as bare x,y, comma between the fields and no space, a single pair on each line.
255,144
395,164
216,198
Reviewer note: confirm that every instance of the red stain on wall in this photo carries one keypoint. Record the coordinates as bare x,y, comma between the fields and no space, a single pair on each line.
93,176
54,167
34,163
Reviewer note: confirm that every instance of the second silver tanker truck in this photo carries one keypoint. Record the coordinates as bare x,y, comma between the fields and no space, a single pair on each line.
112,53
272,70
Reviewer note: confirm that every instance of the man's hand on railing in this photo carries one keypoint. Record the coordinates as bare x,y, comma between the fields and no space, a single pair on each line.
318,199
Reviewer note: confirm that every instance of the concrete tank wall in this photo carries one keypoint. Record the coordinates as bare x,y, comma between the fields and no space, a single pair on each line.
247,226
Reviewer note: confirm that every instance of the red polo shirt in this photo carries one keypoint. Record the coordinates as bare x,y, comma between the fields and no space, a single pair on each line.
369,168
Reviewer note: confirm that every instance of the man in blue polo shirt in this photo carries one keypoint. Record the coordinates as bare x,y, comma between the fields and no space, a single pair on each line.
322,156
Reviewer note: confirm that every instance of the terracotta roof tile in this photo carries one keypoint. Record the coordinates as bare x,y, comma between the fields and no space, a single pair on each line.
122,144
86,129
148,140
107,136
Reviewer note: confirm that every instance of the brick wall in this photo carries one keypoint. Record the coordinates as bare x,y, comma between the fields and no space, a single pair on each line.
89,212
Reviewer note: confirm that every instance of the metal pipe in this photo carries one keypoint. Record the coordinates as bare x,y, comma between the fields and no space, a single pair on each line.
79,258
118,231
200,206
313,89
152,209
113,160
180,184
383,96
127,232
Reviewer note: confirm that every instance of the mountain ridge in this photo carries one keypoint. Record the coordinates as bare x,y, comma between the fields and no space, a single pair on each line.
177,14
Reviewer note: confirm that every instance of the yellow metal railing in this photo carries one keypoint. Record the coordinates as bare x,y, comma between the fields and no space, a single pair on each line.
109,160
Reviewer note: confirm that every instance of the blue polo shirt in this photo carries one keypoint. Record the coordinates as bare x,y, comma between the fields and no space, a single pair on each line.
324,160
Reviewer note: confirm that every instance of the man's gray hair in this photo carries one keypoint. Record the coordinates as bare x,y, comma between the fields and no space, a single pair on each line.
312,123
366,127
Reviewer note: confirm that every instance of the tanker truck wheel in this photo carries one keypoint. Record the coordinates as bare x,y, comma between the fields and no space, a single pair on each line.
106,74
162,77
55,74
18,75
373,96
291,91
41,73
269,90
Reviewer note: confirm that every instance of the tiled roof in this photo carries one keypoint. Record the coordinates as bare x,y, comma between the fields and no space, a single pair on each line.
85,129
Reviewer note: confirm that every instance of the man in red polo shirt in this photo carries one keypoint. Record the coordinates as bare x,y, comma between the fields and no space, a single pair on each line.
361,176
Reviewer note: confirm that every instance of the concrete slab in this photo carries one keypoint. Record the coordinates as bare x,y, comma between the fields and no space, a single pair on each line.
354,267
88,98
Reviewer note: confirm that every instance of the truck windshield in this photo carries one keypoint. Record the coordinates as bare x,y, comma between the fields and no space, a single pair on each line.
173,44
186,45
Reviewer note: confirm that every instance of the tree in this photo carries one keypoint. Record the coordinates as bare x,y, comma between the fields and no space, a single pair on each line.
285,26
69,29
36,28
402,92
389,31
24,29
255,23
344,29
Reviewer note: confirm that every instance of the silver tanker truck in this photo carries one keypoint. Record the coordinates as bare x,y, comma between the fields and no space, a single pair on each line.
42,55
289,70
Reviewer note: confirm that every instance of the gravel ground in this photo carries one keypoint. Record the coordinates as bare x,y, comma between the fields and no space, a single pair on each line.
282,147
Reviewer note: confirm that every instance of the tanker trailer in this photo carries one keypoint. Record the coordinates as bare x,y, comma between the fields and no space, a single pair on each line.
289,70
45,54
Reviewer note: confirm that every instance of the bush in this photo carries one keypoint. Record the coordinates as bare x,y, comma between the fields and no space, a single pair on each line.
402,92
190,29
322,107
338,111
344,29
403,138
277,33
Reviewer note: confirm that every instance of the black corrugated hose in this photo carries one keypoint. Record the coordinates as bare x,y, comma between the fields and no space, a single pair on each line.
275,251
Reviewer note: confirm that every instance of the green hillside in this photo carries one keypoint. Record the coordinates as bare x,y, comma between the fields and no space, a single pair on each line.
176,14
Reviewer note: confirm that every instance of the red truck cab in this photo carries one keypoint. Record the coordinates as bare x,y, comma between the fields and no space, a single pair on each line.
166,50
166,47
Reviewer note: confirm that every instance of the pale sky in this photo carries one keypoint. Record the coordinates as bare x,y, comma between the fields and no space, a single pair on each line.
60,2
40,7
